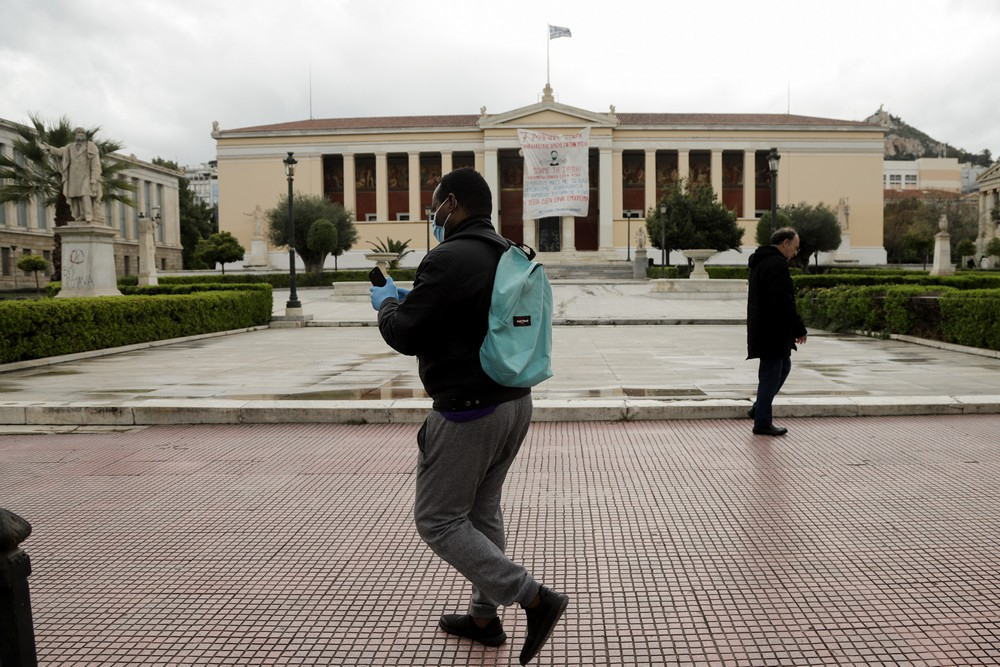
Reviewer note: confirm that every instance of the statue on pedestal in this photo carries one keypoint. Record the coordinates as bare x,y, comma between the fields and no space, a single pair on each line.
80,167
258,222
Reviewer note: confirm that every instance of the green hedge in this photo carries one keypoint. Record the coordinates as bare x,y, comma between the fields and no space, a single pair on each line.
964,281
939,312
278,280
900,309
972,318
50,327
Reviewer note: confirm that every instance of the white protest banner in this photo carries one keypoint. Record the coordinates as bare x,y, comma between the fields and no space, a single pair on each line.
556,178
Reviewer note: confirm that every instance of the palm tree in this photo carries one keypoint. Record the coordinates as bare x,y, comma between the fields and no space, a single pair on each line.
32,175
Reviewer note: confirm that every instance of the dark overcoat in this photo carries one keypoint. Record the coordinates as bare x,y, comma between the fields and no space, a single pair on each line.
773,323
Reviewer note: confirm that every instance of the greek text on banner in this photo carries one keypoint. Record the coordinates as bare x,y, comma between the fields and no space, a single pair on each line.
556,176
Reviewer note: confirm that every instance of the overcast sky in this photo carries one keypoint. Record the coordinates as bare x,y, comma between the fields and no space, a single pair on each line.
154,74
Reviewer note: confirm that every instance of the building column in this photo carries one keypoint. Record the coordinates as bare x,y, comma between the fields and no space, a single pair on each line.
617,187
490,171
650,195
446,162
716,167
381,187
413,187
749,184
350,184
605,217
530,233
683,165
568,240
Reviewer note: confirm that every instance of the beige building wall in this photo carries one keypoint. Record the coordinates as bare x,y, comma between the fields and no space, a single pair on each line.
823,161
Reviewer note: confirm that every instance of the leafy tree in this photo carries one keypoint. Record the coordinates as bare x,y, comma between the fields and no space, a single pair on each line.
965,248
322,239
763,234
32,175
400,248
195,218
33,263
818,230
898,216
307,210
918,241
694,219
992,248
219,248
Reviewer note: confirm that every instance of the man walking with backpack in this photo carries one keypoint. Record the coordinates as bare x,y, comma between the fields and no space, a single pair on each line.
475,430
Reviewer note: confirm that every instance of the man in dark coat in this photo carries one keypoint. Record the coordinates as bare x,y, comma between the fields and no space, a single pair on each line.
773,324
475,430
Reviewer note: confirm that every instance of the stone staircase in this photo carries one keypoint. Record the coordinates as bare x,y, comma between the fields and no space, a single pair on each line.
620,270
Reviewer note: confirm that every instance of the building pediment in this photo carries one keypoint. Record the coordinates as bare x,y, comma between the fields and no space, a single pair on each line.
990,174
548,113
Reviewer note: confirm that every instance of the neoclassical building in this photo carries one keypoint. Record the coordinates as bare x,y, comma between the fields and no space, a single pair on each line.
384,169
27,228
989,207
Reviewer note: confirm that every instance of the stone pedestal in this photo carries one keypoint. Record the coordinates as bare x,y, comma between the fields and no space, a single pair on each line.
382,259
698,256
256,260
88,261
942,255
639,264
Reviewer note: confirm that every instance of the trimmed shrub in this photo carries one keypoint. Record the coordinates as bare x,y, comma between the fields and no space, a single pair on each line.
50,327
971,318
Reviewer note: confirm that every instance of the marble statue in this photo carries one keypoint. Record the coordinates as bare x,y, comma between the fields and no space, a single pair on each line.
147,240
640,239
258,221
80,167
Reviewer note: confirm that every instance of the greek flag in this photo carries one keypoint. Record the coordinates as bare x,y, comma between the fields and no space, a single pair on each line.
558,31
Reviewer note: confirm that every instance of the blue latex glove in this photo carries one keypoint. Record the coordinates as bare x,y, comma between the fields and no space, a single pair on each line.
402,292
380,294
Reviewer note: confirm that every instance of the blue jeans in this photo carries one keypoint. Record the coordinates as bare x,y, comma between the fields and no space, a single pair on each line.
771,375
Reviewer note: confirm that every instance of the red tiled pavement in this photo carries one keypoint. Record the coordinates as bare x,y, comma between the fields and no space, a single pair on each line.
855,541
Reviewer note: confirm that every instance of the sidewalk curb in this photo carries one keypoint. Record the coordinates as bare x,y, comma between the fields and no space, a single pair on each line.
411,411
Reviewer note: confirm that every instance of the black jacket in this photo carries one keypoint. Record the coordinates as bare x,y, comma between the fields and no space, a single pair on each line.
773,323
443,320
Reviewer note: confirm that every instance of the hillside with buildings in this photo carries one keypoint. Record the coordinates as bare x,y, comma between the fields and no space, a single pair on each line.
905,142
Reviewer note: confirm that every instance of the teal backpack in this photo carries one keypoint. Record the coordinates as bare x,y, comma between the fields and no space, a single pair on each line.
517,350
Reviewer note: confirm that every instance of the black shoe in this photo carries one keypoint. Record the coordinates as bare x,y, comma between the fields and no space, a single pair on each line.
770,430
463,626
542,621
751,412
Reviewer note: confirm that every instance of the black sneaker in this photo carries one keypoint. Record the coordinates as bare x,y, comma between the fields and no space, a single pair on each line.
542,621
463,626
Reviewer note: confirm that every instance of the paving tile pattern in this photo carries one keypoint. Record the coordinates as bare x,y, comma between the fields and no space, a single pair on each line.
860,541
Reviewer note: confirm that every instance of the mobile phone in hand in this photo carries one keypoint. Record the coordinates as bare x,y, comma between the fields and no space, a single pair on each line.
377,277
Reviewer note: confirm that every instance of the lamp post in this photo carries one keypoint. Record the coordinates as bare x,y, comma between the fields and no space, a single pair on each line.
628,235
663,240
293,298
772,162
13,258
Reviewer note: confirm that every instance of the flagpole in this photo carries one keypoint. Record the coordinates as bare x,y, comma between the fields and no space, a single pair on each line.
548,42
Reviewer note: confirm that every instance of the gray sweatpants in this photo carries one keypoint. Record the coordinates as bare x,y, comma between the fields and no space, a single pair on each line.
461,468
